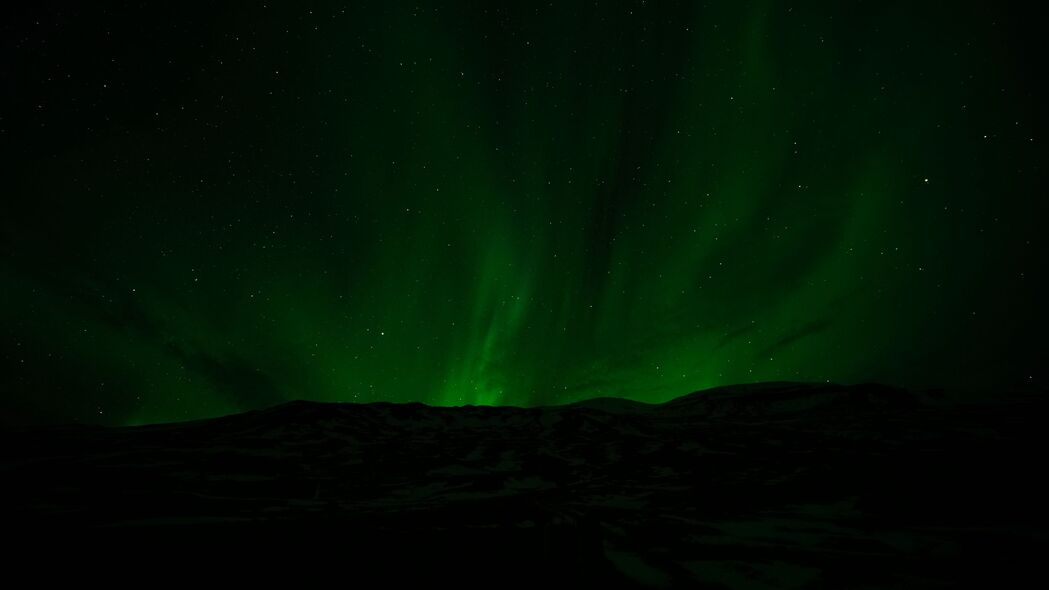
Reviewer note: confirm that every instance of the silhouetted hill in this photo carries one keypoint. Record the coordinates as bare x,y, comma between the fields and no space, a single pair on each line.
772,485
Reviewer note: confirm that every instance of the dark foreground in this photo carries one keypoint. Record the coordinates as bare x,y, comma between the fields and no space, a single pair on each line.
770,486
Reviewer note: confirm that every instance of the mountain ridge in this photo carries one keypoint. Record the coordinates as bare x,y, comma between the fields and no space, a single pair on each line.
832,484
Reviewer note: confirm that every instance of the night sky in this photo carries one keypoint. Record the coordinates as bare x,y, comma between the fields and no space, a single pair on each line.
208,209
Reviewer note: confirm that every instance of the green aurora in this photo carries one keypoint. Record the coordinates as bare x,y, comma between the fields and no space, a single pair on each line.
208,212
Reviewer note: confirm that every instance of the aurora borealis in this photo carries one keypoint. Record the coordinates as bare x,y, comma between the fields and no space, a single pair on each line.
209,210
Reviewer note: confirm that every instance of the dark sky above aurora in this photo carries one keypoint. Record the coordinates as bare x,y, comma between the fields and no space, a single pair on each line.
209,209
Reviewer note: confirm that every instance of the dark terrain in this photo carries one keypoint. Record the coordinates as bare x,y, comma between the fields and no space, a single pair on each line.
766,486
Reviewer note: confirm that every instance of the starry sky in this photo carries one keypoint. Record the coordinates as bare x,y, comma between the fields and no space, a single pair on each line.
209,209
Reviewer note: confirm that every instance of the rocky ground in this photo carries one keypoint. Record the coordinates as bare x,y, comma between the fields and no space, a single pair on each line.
764,486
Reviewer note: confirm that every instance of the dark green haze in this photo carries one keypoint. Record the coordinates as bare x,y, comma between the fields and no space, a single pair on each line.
209,209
